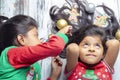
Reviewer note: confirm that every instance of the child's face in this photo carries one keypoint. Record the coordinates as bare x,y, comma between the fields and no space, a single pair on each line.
91,49
31,38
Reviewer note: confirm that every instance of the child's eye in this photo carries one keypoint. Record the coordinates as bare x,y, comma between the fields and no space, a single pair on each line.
85,44
97,45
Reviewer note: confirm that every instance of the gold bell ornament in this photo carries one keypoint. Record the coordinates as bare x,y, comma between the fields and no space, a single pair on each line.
117,34
61,23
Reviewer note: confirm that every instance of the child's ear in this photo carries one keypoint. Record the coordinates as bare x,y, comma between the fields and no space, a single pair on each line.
20,39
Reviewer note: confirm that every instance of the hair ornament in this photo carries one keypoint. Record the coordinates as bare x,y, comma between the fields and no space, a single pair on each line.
61,23
73,14
117,35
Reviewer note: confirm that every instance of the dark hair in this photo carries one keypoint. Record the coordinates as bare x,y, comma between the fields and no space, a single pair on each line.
113,24
87,17
89,30
3,19
57,13
19,24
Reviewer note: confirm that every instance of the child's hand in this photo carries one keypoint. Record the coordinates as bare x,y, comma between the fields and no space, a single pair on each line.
56,68
112,42
112,51
66,30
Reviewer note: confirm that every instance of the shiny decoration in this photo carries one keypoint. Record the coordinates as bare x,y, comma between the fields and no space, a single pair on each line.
61,23
117,35
73,15
90,8
100,20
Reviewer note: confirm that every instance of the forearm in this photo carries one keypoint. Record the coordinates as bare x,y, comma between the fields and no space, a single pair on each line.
112,51
25,56
53,76
72,56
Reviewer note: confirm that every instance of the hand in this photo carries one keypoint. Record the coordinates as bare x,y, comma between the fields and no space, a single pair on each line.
111,42
66,30
56,68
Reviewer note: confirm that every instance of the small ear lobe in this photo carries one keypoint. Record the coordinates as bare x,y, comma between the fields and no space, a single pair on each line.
20,39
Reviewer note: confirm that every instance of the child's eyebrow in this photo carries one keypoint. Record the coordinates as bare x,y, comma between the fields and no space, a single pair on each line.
84,42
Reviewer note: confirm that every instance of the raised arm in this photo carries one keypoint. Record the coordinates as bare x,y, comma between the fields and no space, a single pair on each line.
112,51
27,55
72,54
56,65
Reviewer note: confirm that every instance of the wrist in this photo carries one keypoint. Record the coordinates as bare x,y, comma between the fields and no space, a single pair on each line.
63,36
53,76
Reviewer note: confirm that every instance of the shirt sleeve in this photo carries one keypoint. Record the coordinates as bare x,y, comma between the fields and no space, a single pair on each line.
63,36
111,70
27,55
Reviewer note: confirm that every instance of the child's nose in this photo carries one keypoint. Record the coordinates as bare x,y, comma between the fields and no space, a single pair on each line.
92,49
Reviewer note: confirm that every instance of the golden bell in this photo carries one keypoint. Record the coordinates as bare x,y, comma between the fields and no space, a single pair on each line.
61,23
117,34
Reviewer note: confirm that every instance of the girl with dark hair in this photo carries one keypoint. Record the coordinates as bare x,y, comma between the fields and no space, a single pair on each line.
21,49
86,14
89,56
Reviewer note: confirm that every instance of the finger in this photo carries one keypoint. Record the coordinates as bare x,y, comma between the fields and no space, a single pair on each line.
70,30
53,59
60,63
57,60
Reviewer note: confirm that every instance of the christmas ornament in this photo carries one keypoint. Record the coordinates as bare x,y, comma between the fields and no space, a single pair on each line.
73,15
117,35
61,23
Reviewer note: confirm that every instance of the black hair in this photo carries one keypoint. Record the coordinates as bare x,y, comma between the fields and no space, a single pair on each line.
57,13
113,24
86,18
19,24
89,30
3,19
